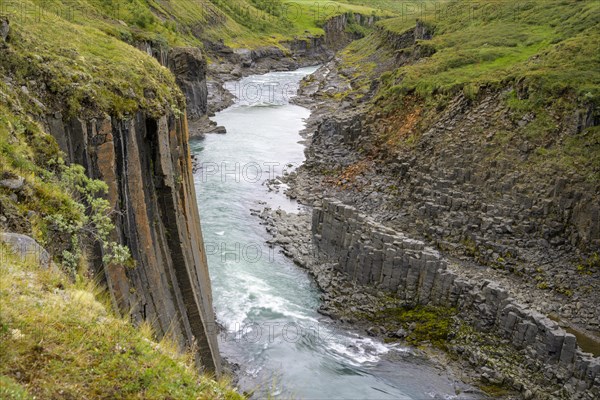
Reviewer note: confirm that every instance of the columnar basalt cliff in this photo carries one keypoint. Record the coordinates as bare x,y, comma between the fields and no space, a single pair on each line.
131,133
372,254
146,164
471,178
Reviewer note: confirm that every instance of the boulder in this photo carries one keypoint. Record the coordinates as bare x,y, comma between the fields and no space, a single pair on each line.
4,28
28,249
401,333
12,183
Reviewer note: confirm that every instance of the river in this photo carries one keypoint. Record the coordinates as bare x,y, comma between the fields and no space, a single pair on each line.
266,303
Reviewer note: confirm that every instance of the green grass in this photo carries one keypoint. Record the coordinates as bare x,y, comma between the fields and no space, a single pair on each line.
60,340
98,70
91,70
27,152
239,23
310,15
551,45
547,52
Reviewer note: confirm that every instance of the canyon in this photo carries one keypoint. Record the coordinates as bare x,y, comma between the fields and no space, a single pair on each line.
462,221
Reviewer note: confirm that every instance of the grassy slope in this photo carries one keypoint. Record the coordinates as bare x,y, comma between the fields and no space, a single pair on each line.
496,42
239,23
549,50
59,340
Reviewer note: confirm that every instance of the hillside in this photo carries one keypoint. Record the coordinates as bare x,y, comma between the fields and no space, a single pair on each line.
238,23
61,340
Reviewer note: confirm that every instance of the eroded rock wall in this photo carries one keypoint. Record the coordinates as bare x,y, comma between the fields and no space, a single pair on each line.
337,33
373,254
189,67
468,194
146,163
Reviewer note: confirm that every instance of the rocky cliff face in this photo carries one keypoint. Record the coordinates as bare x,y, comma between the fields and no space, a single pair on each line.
337,29
467,189
189,67
374,255
141,152
146,163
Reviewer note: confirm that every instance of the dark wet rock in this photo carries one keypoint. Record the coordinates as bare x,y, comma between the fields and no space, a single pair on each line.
219,130
189,67
145,164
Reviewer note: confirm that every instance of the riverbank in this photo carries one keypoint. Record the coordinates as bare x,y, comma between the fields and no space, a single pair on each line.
498,205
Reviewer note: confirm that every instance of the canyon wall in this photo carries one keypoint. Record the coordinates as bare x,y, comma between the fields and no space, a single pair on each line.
189,67
337,29
188,64
375,255
146,164
473,192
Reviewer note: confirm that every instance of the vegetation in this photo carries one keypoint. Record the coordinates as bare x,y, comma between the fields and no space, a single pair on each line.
80,57
60,206
59,340
239,23
541,54
539,43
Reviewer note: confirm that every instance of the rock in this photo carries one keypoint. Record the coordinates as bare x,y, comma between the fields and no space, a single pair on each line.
401,333
12,183
27,248
189,67
373,331
166,226
4,28
219,129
